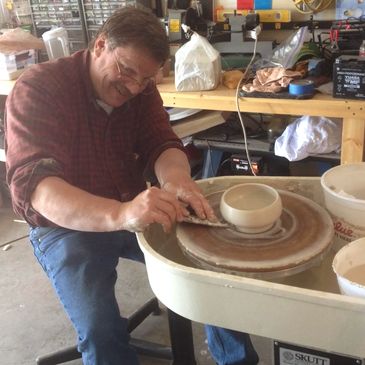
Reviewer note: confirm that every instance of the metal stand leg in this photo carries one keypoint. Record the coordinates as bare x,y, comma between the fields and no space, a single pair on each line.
59,357
142,347
181,336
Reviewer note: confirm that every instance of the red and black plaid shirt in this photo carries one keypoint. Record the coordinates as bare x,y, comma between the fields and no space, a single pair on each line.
54,127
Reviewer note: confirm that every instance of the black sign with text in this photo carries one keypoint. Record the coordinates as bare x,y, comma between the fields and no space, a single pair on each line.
287,354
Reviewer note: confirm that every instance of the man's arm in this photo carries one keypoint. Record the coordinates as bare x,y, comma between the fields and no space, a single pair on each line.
73,208
171,166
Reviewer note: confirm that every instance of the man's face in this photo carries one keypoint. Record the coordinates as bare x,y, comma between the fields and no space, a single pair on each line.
120,74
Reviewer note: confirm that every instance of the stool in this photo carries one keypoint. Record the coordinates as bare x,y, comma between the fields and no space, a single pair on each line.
142,347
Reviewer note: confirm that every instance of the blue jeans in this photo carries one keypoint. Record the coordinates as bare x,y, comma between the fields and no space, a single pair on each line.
230,347
82,269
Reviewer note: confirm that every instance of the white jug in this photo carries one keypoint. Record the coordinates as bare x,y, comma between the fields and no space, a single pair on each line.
56,42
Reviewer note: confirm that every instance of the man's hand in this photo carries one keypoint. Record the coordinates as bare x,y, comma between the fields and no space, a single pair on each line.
188,192
152,206
173,172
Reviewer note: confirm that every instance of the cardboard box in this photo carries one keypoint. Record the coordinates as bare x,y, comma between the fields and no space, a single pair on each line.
13,64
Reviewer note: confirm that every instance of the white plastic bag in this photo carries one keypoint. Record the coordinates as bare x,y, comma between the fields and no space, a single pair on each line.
309,135
286,53
197,65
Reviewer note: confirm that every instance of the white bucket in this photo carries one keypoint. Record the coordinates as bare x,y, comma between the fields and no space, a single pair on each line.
344,193
56,42
349,267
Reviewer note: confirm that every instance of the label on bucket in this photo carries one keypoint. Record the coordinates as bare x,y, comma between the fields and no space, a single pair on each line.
345,232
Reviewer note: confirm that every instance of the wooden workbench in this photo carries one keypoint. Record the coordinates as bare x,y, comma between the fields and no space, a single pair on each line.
183,128
352,112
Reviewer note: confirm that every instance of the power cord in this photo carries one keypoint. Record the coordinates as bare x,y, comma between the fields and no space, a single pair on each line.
13,241
253,34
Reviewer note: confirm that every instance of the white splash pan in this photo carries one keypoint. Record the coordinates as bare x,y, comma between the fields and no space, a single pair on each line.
305,309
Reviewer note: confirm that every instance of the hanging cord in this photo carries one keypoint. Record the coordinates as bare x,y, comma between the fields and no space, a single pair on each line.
13,241
254,34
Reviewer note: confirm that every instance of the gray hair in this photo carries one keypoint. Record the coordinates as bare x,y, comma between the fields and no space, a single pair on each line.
137,27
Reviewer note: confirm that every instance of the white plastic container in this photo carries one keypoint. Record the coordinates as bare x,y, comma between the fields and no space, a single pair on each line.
56,42
344,194
349,267
306,309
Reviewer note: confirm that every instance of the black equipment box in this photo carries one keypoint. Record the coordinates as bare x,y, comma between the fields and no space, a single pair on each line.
288,354
349,77
241,166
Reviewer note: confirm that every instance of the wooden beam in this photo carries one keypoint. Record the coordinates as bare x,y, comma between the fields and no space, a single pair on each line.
353,137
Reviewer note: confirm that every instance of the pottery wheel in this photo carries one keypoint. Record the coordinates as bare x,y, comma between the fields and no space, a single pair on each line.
299,240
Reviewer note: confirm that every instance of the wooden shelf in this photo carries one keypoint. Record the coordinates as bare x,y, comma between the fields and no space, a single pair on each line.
352,112
224,99
221,99
197,123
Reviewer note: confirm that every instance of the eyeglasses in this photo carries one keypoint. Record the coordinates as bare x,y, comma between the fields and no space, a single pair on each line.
124,74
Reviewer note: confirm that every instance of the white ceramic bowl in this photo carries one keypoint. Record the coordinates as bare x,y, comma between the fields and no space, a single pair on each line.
251,207
349,267
344,194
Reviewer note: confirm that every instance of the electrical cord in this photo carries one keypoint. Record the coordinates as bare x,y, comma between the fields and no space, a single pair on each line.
13,241
258,124
254,34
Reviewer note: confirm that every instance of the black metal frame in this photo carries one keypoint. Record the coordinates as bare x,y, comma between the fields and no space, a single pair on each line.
181,351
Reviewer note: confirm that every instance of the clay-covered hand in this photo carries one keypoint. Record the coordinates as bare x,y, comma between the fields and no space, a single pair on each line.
153,205
188,192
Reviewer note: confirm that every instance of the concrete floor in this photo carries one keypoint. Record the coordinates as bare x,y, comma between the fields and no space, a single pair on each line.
32,322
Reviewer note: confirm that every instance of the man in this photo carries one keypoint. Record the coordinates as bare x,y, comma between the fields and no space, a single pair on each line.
83,135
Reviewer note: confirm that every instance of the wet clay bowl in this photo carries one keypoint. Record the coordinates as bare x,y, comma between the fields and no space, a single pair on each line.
251,207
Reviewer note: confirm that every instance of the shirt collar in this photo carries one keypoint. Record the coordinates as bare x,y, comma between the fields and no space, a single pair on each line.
85,70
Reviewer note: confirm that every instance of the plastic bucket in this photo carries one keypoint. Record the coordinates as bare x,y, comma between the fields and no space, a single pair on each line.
349,267
56,42
344,194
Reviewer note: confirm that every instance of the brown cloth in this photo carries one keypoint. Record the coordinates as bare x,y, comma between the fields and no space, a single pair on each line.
272,79
16,40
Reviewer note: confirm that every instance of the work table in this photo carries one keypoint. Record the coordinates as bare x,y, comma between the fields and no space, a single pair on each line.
183,128
352,112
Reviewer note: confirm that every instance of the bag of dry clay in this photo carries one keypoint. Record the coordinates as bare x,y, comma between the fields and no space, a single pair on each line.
197,65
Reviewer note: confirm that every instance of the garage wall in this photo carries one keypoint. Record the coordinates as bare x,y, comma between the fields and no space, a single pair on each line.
285,4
